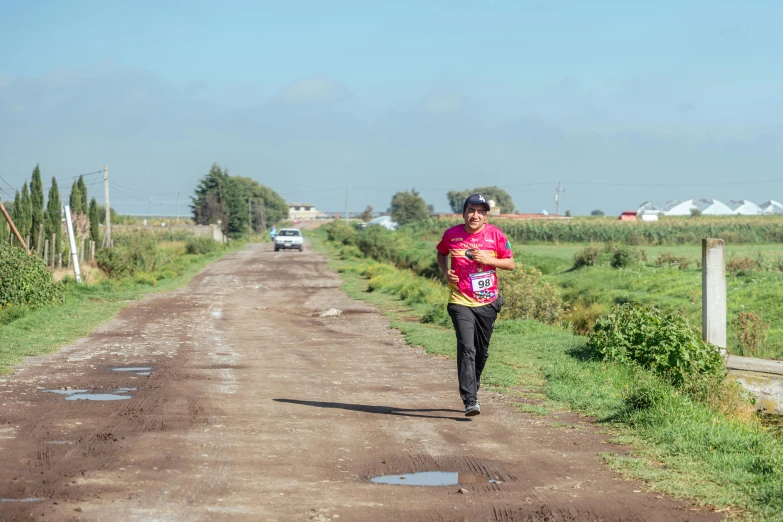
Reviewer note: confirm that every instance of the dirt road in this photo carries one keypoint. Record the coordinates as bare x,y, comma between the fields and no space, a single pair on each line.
257,408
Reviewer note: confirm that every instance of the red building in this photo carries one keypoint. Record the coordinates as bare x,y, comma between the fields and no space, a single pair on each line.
628,216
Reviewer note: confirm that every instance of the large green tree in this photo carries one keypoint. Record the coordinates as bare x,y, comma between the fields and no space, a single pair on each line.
95,220
275,206
501,197
54,216
83,192
37,200
219,197
408,206
75,200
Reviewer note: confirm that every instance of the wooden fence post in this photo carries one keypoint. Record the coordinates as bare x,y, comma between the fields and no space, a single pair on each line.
40,237
713,292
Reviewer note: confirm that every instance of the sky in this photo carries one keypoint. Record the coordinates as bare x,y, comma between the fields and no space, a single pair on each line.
622,102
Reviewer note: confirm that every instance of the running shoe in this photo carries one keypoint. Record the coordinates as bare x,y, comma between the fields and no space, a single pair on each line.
472,409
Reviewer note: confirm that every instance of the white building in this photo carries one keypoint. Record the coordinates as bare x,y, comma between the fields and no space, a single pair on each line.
771,207
676,207
648,208
743,207
301,211
713,207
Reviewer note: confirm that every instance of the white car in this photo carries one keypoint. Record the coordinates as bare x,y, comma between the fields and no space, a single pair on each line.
289,238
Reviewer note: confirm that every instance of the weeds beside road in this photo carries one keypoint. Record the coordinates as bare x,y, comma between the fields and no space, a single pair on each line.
702,443
141,263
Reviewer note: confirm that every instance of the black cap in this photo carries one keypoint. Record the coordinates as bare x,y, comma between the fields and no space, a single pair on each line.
475,199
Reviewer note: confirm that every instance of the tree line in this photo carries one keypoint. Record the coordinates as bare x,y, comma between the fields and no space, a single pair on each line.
409,206
237,203
29,210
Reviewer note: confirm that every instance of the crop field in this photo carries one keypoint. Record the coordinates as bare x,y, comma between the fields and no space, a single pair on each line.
664,272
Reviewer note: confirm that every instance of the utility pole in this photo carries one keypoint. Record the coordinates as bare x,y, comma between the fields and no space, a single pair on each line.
107,242
263,217
558,191
346,205
177,207
250,216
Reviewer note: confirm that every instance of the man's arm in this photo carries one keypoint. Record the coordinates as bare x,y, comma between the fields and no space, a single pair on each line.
450,275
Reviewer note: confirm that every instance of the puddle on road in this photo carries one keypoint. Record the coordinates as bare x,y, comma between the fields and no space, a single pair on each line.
138,370
433,478
30,499
82,395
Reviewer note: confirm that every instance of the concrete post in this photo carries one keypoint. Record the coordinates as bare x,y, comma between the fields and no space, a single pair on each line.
713,292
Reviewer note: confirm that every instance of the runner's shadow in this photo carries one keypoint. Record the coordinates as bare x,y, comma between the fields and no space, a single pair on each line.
385,410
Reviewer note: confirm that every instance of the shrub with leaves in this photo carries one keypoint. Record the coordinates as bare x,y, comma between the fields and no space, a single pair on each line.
624,256
527,296
201,245
666,259
131,255
741,264
586,257
663,343
339,232
24,280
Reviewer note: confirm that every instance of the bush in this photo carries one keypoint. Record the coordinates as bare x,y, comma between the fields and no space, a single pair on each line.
624,256
24,280
582,317
339,232
201,245
665,259
751,332
527,296
131,255
586,257
741,264
660,342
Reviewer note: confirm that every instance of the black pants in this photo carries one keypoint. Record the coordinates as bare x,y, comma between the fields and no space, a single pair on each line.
473,326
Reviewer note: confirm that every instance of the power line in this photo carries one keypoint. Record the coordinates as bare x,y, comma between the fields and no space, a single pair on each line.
114,184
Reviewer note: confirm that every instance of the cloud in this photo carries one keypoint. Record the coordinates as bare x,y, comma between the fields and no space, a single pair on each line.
316,89
685,108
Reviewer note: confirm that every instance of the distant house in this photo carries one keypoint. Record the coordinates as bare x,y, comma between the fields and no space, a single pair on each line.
300,211
628,216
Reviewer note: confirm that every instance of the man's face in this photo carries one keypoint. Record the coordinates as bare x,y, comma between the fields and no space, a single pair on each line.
475,217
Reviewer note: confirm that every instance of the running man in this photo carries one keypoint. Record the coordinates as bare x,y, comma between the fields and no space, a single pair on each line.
476,250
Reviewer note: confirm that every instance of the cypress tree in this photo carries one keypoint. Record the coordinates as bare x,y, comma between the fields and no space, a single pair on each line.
37,199
16,213
95,219
54,216
27,212
83,190
75,201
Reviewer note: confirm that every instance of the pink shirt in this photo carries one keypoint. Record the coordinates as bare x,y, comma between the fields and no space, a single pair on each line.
478,284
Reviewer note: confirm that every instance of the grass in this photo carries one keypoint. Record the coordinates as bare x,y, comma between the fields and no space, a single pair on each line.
44,330
687,448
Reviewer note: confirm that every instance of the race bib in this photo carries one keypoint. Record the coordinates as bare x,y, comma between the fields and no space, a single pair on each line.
482,281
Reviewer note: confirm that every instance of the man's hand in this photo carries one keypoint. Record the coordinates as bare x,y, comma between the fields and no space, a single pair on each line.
452,277
482,257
